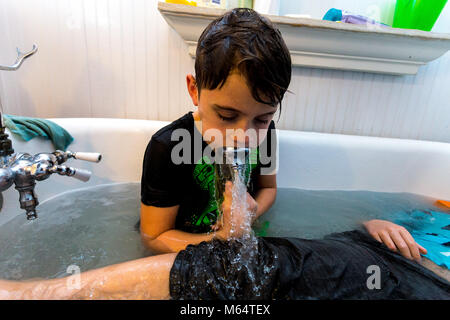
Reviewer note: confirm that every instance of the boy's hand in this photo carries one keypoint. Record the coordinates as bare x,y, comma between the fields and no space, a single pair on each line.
395,237
237,223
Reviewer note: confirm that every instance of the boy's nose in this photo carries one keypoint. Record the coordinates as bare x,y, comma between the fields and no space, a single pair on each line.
241,142
242,138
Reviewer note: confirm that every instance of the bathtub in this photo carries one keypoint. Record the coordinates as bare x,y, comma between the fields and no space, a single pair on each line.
315,161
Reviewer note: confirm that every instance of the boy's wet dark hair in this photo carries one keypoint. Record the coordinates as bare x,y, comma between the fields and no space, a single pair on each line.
245,41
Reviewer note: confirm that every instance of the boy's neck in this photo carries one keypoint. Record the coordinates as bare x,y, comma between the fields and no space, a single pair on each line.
198,125
196,115
197,122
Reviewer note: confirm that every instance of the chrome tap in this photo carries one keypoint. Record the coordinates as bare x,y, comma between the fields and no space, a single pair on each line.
23,170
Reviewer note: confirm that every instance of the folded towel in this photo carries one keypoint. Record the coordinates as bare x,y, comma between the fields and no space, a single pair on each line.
28,128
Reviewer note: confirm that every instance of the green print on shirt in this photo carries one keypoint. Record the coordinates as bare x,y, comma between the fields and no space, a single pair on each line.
204,177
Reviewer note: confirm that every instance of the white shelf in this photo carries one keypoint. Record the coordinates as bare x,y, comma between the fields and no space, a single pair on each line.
327,44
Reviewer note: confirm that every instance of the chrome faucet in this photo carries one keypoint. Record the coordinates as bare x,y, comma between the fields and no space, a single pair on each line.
23,169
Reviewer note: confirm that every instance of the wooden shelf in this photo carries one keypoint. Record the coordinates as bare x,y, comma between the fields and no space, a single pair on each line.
327,44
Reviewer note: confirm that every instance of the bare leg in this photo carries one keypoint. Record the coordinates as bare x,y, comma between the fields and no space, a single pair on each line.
440,271
146,278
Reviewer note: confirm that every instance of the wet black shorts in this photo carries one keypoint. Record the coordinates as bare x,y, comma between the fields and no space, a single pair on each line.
349,265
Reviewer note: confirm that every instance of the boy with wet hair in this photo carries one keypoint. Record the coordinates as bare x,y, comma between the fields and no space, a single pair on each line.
242,71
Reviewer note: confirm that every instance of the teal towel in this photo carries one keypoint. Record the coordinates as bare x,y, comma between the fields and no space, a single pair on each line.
28,128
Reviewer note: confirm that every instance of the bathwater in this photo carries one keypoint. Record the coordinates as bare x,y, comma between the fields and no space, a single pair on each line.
88,228
95,227
313,214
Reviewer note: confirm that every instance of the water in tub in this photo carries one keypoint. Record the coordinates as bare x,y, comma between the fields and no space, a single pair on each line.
95,227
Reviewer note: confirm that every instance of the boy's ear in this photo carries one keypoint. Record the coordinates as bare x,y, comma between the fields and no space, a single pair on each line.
192,88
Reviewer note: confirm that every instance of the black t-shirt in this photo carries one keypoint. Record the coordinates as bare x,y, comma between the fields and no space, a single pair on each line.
191,185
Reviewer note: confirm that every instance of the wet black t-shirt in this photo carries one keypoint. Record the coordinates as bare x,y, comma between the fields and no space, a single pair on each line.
191,185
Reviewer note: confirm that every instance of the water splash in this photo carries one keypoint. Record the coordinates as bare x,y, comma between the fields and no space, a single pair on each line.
247,255
243,260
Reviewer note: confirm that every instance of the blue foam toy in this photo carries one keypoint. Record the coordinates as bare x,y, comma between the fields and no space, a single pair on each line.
430,229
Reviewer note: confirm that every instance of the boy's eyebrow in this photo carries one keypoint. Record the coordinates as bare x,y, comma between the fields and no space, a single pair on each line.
238,111
225,108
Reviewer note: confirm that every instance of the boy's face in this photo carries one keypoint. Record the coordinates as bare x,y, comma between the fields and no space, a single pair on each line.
231,110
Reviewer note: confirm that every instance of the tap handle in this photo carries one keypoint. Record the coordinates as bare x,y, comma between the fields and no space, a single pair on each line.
88,156
63,156
80,174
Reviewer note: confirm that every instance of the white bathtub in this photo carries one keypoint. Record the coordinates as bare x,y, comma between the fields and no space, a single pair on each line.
308,160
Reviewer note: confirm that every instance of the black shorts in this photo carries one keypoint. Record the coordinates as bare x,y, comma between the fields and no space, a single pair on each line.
349,265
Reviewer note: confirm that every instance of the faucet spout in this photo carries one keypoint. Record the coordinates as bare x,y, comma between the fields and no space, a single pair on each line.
28,200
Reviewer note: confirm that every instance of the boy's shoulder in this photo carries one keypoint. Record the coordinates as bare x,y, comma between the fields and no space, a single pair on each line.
164,135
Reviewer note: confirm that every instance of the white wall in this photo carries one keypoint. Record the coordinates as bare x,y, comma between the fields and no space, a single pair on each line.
120,59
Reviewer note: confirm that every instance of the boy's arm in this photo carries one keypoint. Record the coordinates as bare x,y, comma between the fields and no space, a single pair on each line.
158,230
266,193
